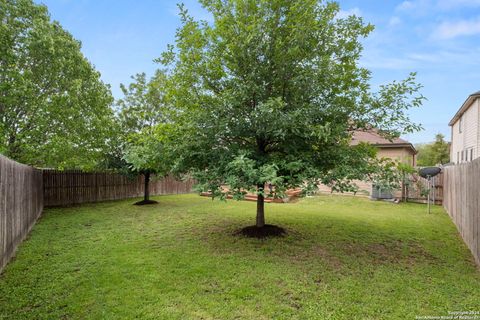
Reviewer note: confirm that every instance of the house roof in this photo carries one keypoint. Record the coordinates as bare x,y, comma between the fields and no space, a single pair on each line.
374,138
471,98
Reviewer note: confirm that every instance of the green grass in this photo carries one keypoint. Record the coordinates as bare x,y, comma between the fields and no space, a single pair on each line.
343,258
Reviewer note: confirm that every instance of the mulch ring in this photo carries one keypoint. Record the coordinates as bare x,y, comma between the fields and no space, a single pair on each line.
266,231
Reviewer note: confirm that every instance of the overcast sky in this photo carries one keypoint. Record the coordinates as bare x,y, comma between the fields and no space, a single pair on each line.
439,39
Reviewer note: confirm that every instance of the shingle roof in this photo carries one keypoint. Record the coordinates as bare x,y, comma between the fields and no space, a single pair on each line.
468,102
374,138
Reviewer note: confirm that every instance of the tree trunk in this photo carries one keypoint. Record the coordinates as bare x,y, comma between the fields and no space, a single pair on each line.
146,191
13,150
260,207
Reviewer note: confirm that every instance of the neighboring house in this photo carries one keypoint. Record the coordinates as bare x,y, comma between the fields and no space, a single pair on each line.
465,131
397,149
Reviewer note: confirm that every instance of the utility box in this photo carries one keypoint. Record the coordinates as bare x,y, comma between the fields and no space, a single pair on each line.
379,193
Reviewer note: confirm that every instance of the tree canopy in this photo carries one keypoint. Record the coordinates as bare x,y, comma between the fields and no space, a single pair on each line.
144,103
434,153
270,92
54,109
143,120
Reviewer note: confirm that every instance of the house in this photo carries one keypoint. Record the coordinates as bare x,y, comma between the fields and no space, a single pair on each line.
397,149
465,131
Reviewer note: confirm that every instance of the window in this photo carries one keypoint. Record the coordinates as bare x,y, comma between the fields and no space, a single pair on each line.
462,156
458,157
460,123
471,154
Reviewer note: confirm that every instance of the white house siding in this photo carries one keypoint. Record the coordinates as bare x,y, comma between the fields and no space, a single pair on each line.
476,152
471,127
469,137
457,143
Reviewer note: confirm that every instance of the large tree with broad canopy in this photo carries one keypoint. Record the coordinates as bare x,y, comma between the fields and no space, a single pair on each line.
270,91
54,109
143,121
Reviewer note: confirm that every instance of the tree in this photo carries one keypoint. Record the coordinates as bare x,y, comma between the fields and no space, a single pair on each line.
143,121
143,155
434,153
270,92
144,104
54,109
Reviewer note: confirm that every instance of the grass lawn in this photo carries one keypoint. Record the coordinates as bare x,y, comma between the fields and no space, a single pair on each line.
343,258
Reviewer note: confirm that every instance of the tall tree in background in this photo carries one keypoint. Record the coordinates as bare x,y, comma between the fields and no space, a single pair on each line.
144,103
270,93
143,122
144,154
54,109
434,153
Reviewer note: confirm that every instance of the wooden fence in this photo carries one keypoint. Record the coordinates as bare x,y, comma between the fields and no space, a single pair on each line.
21,203
415,189
63,188
418,186
25,190
461,200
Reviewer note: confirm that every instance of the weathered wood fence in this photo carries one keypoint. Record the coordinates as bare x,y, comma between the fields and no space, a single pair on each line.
462,202
21,203
417,188
63,188
24,191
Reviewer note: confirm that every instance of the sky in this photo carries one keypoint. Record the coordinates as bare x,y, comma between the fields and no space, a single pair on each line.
438,39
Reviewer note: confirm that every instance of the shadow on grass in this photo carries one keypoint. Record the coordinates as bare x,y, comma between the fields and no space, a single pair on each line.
301,247
145,202
266,231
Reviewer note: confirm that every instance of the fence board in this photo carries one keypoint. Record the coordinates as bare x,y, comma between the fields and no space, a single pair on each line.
461,200
417,183
21,203
63,188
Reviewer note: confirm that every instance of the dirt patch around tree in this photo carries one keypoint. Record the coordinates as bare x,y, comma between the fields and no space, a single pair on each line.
145,202
266,231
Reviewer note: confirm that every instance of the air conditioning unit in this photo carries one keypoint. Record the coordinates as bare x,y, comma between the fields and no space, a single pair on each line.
379,193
